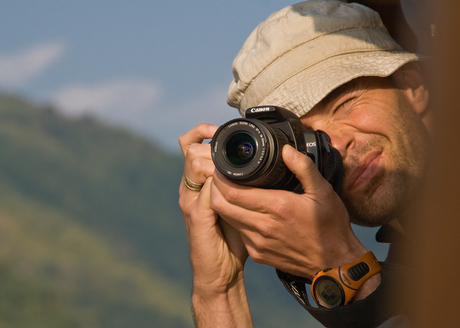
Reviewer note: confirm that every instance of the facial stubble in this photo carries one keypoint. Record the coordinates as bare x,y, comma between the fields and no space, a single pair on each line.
395,186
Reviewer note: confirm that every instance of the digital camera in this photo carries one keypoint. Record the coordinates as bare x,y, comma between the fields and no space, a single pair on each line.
248,150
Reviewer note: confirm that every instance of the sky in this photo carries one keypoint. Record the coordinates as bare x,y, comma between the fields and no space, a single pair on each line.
157,67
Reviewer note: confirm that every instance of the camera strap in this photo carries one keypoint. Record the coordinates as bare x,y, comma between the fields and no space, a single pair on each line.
296,286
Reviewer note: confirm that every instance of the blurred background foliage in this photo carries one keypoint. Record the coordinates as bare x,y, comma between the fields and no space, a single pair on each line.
91,234
85,228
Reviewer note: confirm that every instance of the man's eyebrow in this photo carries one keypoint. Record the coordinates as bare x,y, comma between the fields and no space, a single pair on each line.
362,82
339,91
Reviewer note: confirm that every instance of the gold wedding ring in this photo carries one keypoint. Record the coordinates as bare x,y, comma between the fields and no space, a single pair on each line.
192,185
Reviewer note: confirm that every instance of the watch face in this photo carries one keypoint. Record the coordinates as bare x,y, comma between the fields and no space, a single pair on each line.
328,292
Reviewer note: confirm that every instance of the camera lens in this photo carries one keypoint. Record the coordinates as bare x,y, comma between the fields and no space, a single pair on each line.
248,151
240,148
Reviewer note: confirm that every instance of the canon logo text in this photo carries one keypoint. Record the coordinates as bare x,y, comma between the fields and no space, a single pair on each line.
260,109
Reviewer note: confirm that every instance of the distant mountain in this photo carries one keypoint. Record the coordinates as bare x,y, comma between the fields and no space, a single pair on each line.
91,234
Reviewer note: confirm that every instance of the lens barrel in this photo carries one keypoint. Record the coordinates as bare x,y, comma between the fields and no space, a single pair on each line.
248,152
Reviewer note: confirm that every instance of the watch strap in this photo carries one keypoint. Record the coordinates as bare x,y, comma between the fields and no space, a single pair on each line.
353,275
348,278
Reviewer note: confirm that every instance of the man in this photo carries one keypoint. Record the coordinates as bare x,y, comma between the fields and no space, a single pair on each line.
335,66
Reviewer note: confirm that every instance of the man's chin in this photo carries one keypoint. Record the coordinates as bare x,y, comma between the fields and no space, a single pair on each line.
375,210
369,222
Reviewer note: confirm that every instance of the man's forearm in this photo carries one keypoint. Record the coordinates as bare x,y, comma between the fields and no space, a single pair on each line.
229,309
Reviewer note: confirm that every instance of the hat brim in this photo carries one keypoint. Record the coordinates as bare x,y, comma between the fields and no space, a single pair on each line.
301,92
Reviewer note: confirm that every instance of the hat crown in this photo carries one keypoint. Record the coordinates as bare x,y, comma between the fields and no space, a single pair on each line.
300,26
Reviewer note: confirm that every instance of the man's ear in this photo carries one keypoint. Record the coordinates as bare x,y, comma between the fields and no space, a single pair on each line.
409,79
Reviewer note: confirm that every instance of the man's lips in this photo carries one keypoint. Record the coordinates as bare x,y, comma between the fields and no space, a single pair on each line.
363,173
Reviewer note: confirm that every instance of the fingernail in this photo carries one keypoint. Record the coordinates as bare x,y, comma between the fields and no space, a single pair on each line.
290,153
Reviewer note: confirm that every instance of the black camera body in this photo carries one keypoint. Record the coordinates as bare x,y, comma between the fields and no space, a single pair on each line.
248,151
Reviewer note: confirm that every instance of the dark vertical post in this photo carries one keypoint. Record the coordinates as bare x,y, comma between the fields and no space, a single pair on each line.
434,291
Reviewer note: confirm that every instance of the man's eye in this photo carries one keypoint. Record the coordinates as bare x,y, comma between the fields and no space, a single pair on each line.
344,105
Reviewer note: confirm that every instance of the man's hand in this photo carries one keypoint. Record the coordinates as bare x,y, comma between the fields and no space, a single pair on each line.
297,233
217,253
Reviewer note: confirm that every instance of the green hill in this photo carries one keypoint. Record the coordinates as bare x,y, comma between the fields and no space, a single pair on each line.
84,225
91,234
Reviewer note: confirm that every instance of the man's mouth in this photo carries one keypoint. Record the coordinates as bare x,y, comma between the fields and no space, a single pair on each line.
363,173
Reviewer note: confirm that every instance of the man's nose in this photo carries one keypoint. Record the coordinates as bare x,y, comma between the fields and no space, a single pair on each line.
341,140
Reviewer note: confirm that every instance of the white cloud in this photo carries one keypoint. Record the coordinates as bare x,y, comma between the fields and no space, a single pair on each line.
120,101
210,107
19,68
139,105
173,120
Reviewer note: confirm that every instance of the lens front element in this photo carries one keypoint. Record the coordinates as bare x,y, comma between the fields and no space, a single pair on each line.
240,148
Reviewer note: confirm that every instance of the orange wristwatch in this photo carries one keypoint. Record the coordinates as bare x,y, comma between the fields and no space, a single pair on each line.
331,288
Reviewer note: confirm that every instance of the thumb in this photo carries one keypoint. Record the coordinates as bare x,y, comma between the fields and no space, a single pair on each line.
303,167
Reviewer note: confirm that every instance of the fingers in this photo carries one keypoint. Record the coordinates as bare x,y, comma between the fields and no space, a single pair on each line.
201,216
217,254
198,164
304,169
239,204
301,165
196,136
259,228
234,240
242,196
249,210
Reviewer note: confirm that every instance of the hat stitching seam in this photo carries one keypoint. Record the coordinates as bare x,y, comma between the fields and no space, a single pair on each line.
303,43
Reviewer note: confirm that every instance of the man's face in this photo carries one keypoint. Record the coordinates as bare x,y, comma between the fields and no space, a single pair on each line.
383,144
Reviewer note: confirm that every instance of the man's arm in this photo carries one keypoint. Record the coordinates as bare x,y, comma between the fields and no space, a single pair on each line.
217,253
222,306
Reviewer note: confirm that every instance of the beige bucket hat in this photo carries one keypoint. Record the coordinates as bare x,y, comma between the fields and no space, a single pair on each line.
303,52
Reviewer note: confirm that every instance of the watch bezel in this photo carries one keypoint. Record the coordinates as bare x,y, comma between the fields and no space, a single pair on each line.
317,296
